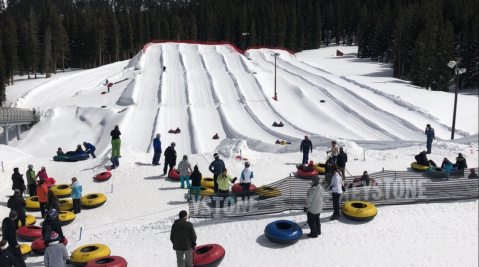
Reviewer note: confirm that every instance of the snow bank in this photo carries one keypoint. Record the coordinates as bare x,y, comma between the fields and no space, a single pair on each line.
126,97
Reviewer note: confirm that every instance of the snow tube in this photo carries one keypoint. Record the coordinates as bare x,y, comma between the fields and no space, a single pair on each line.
38,246
26,251
29,220
216,137
432,172
359,210
78,157
307,174
92,201
239,157
277,125
104,176
110,85
267,191
174,175
32,203
61,158
418,167
61,190
208,182
104,92
65,204
108,261
66,217
322,101
209,255
283,231
357,182
320,167
205,191
283,143
29,232
236,188
84,254
174,131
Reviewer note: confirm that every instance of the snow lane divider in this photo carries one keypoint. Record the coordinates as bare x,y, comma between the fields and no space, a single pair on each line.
192,42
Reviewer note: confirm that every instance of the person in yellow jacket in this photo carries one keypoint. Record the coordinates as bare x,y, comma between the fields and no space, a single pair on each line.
224,185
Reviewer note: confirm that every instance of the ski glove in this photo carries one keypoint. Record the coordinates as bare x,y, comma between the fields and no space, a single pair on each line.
234,180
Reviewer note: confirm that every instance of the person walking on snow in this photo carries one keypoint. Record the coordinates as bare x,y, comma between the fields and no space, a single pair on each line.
341,161
183,168
17,203
115,142
90,149
42,194
9,234
245,180
17,181
42,174
157,150
6,257
56,254
305,147
76,195
429,132
52,224
224,185
216,167
314,207
183,238
195,182
32,183
170,158
337,188
334,151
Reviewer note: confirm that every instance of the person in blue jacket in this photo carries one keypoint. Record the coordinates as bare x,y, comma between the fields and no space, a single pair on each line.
429,132
216,167
76,195
90,149
157,150
305,147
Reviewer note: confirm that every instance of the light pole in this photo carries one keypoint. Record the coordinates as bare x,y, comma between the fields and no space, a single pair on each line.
244,40
457,71
275,55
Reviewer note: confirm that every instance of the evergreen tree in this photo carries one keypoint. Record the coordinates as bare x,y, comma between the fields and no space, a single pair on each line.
32,44
9,42
3,96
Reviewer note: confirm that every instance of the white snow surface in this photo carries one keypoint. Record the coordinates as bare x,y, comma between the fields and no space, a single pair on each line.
212,89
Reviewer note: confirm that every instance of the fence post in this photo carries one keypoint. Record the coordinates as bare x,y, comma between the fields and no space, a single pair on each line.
289,193
364,154
382,177
2,167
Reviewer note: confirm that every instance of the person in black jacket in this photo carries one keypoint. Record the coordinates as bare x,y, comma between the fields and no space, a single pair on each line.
421,159
52,223
17,203
341,161
170,158
305,147
328,169
18,182
365,179
6,257
9,234
52,201
461,163
195,178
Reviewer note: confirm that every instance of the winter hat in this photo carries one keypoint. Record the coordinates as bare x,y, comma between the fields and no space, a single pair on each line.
216,155
473,170
43,168
460,155
15,170
196,167
311,162
3,244
53,236
53,213
185,156
30,166
173,144
158,135
12,214
341,149
247,164
315,179
183,213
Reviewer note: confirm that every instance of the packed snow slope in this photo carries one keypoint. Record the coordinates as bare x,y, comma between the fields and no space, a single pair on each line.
209,89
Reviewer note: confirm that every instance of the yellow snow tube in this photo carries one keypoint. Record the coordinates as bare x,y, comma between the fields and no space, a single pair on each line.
66,217
359,210
92,201
418,167
320,167
32,203
205,191
26,251
29,220
82,255
268,191
208,182
61,190
65,204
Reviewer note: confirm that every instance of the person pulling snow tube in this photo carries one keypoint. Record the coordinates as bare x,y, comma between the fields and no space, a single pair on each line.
418,167
359,210
66,217
26,251
61,158
29,232
206,191
29,220
267,191
32,204
320,167
237,188
307,174
65,204
92,201
61,190
210,255
208,182
108,261
283,231
84,254
104,176
175,175
38,245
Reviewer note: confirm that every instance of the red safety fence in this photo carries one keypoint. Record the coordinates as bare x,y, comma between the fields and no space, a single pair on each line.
269,47
192,42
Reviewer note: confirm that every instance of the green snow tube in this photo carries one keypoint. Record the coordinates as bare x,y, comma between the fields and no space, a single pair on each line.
61,158
322,101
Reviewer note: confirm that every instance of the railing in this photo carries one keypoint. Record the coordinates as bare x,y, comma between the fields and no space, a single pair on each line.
17,116
394,188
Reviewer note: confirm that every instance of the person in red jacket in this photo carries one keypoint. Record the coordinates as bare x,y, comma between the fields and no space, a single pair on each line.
42,174
49,182
42,194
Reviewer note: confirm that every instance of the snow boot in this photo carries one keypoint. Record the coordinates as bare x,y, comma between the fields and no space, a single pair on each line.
334,217
313,235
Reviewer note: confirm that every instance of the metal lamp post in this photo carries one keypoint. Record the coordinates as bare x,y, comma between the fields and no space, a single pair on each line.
244,40
457,71
275,55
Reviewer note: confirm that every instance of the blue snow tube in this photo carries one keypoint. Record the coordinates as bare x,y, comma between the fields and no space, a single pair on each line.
283,231
77,157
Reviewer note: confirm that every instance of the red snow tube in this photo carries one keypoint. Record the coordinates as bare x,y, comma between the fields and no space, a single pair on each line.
29,232
104,92
307,174
110,84
357,182
209,255
238,189
104,176
108,261
174,175
216,137
174,131
38,246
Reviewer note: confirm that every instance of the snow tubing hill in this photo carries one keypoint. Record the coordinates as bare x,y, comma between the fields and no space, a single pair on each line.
236,188
92,201
38,246
209,255
283,231
26,251
62,190
32,204
84,254
104,176
109,261
359,210
29,220
29,232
